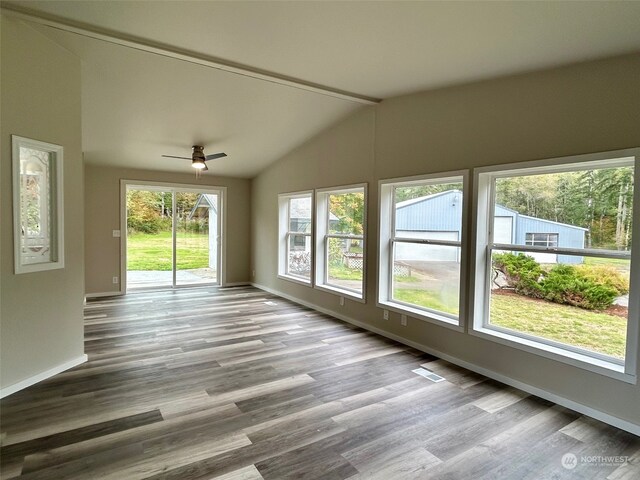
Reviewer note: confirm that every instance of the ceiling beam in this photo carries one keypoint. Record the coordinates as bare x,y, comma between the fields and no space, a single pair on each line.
170,51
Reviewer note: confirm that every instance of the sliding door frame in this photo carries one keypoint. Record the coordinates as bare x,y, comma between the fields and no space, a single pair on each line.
174,188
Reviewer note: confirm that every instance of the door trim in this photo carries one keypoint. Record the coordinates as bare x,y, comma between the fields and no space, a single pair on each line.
173,187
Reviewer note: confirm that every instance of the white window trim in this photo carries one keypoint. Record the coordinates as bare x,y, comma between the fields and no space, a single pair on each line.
386,220
283,237
321,236
56,199
481,231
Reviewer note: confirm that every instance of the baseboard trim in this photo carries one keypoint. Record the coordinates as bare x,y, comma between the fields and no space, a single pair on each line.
552,397
103,294
16,387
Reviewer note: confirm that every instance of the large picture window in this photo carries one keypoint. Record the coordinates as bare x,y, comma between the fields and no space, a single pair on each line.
421,241
294,251
340,240
554,257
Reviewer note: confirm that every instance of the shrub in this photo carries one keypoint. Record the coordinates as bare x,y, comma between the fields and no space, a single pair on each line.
521,272
148,225
585,286
605,275
564,284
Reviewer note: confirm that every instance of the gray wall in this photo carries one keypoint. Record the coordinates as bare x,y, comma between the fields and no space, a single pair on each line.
40,313
102,215
578,109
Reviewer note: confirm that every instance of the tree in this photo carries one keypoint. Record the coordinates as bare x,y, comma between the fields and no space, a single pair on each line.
145,211
409,193
599,200
349,209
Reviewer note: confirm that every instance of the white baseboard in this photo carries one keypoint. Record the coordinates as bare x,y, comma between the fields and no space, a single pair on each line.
103,294
552,397
16,387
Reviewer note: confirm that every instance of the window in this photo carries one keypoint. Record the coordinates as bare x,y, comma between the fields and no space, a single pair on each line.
37,205
555,278
421,243
340,240
542,239
294,251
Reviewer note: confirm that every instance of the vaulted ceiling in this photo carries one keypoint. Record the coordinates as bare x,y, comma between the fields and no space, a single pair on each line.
138,105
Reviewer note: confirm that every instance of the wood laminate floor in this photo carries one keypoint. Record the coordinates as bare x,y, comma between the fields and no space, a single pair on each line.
240,384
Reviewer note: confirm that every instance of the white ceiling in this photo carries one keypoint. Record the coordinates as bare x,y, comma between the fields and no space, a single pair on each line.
137,105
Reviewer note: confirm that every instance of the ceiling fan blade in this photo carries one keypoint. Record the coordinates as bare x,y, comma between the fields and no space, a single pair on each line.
171,156
213,156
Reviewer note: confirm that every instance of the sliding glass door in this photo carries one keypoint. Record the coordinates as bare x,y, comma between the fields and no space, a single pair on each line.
196,238
149,238
172,236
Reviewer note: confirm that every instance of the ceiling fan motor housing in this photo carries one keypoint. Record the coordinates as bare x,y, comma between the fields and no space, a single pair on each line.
198,152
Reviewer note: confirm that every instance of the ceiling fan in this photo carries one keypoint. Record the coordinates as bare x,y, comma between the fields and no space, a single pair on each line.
198,158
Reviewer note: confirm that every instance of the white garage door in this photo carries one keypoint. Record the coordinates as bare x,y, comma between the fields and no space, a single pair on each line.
426,253
503,230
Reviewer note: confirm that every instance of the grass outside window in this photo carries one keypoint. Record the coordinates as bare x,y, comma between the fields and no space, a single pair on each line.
152,252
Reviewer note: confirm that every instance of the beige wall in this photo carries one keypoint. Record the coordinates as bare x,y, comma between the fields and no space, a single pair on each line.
102,215
578,109
40,313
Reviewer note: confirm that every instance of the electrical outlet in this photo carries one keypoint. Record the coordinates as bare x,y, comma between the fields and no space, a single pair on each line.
115,280
342,301
253,274
403,320
385,314
116,233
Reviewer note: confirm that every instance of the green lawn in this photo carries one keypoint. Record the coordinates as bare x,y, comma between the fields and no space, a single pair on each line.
153,251
594,331
612,262
340,272
425,298
403,279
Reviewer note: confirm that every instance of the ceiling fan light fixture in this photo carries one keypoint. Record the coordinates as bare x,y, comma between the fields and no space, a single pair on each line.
198,158
198,163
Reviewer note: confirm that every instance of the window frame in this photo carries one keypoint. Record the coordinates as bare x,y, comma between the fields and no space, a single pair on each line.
322,236
482,231
284,235
547,242
386,239
55,205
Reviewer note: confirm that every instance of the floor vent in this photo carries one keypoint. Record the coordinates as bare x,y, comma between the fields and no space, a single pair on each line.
423,372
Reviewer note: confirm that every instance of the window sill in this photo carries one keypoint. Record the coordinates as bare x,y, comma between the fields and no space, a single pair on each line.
341,292
291,278
586,362
423,315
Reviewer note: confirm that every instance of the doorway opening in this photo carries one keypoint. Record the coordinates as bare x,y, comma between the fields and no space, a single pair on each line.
172,236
